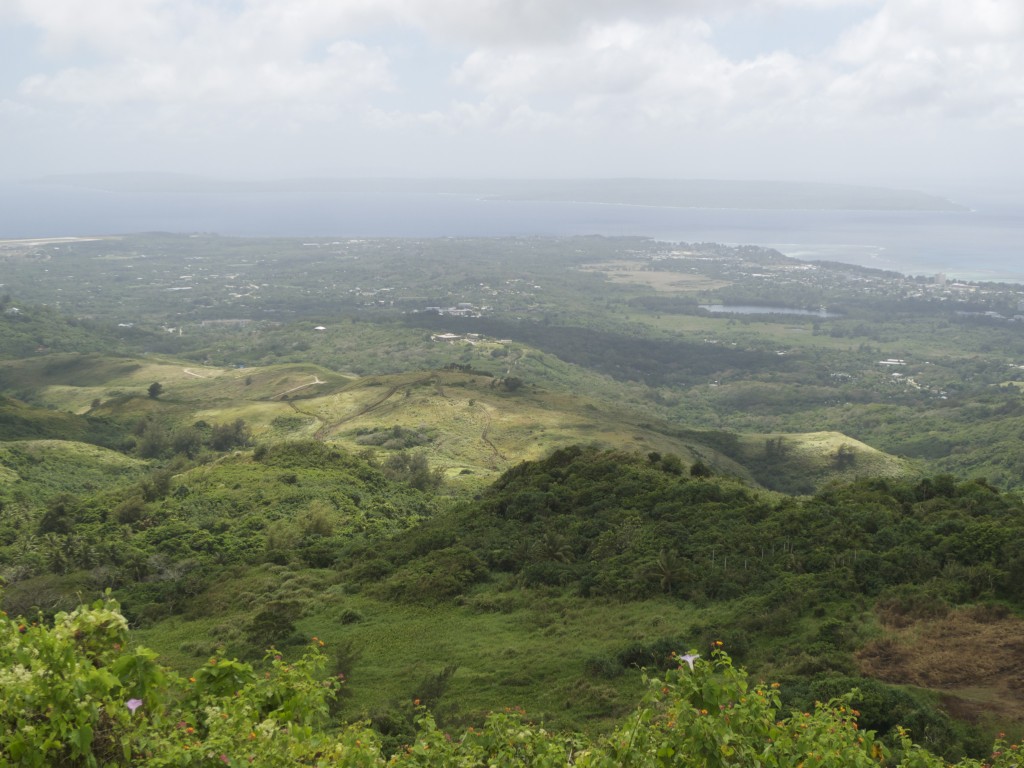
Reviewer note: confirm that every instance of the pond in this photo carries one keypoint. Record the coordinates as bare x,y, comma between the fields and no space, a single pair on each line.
749,309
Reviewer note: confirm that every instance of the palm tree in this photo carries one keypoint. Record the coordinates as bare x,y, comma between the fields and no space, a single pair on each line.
554,547
57,553
669,569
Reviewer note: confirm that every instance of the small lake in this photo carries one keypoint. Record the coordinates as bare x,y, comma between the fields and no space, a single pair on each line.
748,309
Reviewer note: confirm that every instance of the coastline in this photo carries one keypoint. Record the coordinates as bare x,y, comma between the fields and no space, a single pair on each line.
986,244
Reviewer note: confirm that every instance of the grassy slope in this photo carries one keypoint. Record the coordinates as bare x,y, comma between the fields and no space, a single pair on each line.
510,648
810,460
21,421
478,427
39,469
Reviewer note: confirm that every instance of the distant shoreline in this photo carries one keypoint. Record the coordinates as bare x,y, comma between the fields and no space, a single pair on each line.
981,245
52,240
738,209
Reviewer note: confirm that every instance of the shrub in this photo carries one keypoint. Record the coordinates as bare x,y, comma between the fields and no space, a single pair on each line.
440,574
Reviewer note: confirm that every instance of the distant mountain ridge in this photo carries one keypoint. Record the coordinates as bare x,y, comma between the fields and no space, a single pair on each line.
669,193
717,193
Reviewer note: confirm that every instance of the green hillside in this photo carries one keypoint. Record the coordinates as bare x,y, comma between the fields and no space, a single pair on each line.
21,421
468,423
552,588
37,469
516,473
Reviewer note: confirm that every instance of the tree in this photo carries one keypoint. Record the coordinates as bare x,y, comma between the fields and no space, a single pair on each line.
554,547
271,626
155,389
227,436
668,569
700,469
845,457
187,441
414,470
60,515
153,442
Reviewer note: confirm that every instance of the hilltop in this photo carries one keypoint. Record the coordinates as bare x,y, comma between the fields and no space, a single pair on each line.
470,424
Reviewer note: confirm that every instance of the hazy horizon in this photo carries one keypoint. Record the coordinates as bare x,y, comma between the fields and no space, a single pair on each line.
912,233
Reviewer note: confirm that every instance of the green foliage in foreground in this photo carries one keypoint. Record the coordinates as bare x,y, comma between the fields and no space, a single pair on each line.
78,694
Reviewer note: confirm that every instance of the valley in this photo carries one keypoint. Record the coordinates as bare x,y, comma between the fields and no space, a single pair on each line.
514,472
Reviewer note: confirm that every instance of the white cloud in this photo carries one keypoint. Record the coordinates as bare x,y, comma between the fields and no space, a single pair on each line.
638,75
165,53
566,57
215,76
588,75
911,57
106,26
935,57
505,23
14,108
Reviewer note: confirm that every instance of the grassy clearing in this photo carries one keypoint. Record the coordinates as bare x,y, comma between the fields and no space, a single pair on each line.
822,449
511,647
663,281
480,427
803,462
74,382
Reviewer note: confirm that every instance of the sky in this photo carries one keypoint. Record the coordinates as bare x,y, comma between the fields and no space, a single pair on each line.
897,92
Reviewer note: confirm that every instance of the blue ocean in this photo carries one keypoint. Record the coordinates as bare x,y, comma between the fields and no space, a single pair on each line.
985,242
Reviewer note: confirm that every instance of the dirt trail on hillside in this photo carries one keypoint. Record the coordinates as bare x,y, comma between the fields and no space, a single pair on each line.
973,657
313,383
327,428
485,435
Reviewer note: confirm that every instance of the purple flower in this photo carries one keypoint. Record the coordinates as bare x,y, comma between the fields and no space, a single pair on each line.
133,704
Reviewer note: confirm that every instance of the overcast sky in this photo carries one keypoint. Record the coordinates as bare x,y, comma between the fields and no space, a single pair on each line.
902,92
